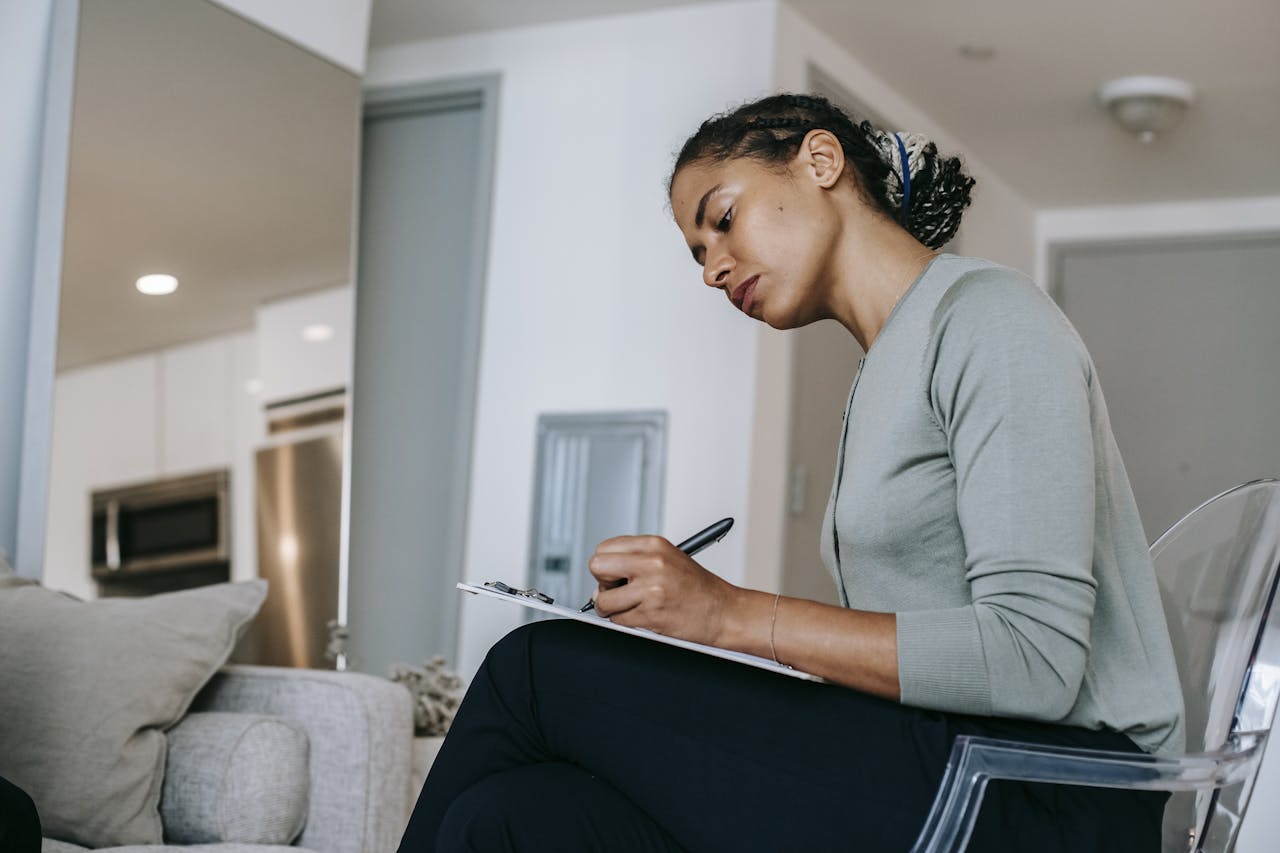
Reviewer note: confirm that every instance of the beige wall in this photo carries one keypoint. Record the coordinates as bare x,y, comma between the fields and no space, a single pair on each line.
802,378
1000,225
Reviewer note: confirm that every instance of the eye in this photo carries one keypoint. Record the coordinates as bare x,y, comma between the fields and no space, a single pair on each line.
725,221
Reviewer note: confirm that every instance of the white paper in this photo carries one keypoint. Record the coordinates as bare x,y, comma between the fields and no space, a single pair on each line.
593,618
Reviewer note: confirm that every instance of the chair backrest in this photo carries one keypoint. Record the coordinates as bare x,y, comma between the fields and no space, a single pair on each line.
1217,572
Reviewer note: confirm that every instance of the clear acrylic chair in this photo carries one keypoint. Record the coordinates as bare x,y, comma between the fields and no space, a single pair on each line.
1217,572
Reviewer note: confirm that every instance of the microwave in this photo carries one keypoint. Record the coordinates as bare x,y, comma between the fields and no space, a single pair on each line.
178,523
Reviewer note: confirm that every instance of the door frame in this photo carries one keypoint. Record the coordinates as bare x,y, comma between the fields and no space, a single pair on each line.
37,355
1057,251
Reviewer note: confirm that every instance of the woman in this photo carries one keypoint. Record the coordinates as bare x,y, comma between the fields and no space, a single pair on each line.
992,567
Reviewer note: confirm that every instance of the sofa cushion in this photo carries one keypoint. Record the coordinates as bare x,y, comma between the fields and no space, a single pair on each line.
90,686
50,845
235,777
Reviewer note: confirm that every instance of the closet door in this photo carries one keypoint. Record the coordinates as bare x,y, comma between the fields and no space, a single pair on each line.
423,210
1185,339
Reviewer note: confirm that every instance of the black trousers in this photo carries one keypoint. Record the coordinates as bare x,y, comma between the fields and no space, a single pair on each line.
574,738
19,823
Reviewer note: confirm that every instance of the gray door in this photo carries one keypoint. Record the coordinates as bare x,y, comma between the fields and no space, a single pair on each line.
424,198
1185,339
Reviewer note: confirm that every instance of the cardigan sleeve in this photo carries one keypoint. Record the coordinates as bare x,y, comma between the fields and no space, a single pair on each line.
1008,383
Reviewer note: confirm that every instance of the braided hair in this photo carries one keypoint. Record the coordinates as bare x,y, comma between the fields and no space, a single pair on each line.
927,197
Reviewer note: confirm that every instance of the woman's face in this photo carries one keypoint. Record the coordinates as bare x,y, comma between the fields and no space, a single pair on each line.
761,235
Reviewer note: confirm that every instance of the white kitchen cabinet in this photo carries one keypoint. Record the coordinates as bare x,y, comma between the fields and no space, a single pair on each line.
195,407
105,432
295,363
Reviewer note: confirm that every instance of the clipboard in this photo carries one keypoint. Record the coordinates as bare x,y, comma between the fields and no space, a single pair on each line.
592,618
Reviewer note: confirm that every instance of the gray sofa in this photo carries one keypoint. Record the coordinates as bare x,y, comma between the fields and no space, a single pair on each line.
356,735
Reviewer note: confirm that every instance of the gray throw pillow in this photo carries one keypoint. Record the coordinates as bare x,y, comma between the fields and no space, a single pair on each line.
241,778
87,689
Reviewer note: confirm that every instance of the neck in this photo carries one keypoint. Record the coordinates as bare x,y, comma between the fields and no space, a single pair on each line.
873,267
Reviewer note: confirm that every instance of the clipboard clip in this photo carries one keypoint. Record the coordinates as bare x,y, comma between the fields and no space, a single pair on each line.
527,593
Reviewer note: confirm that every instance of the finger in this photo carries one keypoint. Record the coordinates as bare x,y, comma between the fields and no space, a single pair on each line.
622,566
635,617
632,545
619,599
601,588
608,569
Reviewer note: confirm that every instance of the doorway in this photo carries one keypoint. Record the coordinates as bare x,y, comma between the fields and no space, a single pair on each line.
424,213
1183,335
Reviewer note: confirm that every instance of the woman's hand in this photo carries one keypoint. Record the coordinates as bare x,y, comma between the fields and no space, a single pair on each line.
646,582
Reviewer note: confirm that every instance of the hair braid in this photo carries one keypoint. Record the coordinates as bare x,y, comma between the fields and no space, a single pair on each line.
771,130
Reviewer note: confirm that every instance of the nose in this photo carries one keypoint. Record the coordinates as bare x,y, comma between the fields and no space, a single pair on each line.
717,269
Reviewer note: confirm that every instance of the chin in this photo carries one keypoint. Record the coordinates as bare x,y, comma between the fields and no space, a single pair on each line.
779,323
787,318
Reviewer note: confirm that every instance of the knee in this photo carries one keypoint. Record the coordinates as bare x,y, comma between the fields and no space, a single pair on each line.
532,808
19,822
520,644
468,825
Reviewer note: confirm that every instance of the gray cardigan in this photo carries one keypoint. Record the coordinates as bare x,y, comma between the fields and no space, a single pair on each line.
979,494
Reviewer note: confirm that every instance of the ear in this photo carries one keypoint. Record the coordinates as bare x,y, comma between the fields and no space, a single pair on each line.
822,158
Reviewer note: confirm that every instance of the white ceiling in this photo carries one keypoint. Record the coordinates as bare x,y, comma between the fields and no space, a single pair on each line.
1027,112
206,147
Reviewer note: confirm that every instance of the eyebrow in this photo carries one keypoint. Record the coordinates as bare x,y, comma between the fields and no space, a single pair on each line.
702,205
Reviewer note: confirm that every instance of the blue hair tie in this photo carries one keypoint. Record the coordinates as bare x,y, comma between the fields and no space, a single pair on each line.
906,176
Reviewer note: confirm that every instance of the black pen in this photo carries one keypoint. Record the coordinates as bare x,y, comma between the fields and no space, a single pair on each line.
690,546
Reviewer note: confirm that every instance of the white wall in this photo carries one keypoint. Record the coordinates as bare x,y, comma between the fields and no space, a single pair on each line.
592,300
336,30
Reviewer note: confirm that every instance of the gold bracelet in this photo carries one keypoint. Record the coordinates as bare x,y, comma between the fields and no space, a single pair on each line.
773,624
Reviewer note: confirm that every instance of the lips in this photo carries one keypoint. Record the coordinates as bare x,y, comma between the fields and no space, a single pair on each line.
743,295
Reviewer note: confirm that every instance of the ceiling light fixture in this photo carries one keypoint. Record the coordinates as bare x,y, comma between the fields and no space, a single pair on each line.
1146,106
156,285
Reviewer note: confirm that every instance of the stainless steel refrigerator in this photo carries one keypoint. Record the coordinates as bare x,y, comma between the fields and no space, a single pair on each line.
299,509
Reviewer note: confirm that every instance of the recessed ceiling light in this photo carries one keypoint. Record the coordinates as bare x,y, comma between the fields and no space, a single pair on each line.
977,51
157,285
317,332
253,387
